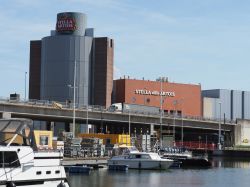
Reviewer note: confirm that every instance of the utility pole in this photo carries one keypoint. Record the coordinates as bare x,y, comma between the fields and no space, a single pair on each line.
219,134
25,85
87,119
161,113
129,125
74,102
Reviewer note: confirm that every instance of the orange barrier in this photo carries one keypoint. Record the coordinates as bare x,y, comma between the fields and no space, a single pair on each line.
196,145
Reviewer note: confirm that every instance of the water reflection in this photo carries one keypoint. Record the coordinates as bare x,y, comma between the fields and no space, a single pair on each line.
225,172
231,162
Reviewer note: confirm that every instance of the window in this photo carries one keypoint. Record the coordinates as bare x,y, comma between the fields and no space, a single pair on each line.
57,171
9,159
44,140
137,156
145,156
131,157
38,172
111,43
48,172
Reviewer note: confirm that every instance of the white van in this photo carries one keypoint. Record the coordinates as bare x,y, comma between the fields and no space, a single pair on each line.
116,107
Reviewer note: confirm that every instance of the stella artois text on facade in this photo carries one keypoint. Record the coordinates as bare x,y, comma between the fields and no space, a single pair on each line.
156,93
66,24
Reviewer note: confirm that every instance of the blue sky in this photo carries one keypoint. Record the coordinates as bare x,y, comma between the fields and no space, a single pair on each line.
189,41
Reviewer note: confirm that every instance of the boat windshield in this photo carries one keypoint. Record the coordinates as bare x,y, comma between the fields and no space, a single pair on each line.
16,130
9,159
155,156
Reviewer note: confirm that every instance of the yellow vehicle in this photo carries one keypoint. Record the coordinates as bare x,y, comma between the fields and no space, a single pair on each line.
109,138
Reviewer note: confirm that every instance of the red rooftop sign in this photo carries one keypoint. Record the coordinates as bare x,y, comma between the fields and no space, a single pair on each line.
66,24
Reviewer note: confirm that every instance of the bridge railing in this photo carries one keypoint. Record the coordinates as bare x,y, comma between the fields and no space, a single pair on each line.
196,145
68,105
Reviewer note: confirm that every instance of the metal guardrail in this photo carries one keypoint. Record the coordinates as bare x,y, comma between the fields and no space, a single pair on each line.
98,108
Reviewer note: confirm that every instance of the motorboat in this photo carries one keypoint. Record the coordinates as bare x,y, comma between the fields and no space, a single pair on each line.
185,159
21,164
141,160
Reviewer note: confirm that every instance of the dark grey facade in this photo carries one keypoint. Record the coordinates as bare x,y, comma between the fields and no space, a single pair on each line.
60,52
59,55
53,60
233,104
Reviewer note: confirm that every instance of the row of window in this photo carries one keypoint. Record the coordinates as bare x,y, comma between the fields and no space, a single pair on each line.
47,172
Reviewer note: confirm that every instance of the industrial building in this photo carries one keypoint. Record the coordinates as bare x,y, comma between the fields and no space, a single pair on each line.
177,98
228,104
72,62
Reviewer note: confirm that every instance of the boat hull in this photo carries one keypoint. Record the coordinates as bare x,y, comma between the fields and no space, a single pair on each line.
56,183
143,164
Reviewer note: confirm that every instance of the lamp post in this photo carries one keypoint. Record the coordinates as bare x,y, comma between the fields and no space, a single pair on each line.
161,113
25,85
74,106
175,103
182,129
74,101
219,133
182,133
144,98
87,119
129,125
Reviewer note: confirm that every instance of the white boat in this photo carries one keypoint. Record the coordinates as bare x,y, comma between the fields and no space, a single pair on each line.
141,160
20,165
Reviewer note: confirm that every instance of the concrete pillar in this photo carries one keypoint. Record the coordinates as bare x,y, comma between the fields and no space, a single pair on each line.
52,127
152,129
242,132
6,115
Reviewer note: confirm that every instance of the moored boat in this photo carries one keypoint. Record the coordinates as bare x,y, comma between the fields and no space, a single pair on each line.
185,158
20,165
141,160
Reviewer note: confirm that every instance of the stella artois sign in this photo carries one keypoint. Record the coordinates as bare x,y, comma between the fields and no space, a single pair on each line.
66,23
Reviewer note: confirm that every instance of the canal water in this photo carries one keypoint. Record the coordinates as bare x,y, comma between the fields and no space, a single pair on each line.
225,172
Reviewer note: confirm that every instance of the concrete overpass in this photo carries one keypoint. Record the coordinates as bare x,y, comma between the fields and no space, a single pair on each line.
103,119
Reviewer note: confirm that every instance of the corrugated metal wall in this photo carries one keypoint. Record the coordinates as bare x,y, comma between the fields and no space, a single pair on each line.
236,107
225,99
57,69
246,105
234,104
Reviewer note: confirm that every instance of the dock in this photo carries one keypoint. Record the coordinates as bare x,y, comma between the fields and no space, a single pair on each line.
94,163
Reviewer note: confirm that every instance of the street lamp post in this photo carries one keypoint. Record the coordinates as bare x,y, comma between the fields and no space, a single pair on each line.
175,103
74,101
87,119
25,85
219,134
161,113
182,129
129,123
144,97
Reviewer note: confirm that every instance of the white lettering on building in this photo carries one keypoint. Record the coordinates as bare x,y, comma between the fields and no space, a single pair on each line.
155,93
66,24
